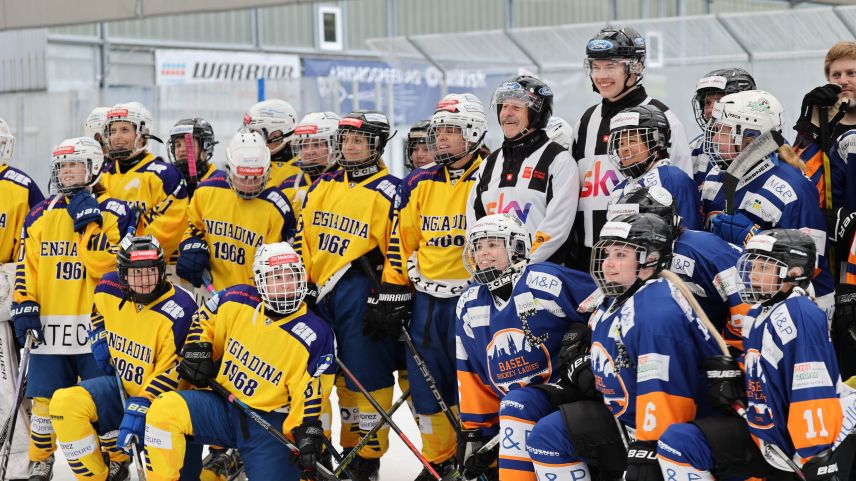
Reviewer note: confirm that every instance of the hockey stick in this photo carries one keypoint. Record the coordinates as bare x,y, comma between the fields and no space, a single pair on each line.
191,156
737,405
262,422
418,359
457,475
388,419
209,285
365,440
135,453
20,387
761,147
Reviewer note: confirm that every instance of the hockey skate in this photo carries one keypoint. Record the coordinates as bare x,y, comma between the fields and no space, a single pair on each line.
119,471
42,470
442,468
224,463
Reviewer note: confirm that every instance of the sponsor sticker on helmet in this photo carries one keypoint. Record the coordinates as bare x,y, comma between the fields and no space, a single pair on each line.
761,242
250,171
600,45
712,82
117,113
351,122
63,150
545,91
615,210
624,119
247,119
306,129
376,117
760,104
146,255
281,259
660,194
181,130
511,86
615,229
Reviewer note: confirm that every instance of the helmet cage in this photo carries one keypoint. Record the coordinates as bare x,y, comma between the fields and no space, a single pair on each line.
136,116
373,140
76,151
629,143
765,285
516,251
600,253
281,281
141,252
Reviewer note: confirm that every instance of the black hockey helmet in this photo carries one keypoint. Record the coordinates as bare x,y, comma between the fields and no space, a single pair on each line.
767,260
203,133
649,235
373,125
418,134
531,91
646,123
726,81
141,252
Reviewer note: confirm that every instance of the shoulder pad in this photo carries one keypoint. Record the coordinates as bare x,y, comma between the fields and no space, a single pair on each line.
242,294
386,186
111,285
17,177
279,200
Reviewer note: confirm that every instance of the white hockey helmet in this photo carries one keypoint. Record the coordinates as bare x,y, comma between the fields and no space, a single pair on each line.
464,112
560,132
78,150
7,142
138,116
248,164
270,116
94,124
496,233
739,117
280,277
313,129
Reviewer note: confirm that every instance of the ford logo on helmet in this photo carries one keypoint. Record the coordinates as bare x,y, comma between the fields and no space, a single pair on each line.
599,45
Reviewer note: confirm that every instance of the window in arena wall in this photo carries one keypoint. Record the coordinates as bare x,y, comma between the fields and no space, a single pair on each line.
329,28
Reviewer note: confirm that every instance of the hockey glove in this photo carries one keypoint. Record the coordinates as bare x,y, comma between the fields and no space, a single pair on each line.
575,342
823,96
311,298
26,317
475,464
844,319
725,384
100,351
832,464
840,228
197,365
736,229
132,429
642,464
193,259
83,209
309,439
393,310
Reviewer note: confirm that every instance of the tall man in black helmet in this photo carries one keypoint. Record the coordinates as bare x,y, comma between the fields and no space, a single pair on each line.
615,59
531,176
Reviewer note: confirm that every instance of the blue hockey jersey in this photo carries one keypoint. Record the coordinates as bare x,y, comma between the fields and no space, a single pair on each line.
684,191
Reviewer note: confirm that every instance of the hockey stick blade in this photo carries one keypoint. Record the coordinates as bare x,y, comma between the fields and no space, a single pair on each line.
761,147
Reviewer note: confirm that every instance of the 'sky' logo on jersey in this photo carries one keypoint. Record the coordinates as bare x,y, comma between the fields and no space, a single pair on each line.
595,182
502,207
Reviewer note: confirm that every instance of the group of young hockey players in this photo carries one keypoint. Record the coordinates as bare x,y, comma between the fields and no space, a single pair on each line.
601,301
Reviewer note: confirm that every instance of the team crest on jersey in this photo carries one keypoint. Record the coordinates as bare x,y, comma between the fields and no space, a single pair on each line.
607,380
513,363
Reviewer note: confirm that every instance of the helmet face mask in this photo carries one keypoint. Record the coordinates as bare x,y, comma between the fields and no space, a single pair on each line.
457,129
736,120
713,86
142,268
617,54
127,130
314,141
497,247
247,164
280,277
638,136
773,263
632,249
360,140
76,164
524,92
202,135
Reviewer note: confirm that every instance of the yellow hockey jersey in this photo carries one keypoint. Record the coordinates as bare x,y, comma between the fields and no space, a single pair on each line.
160,188
234,227
283,365
144,340
295,188
429,231
341,221
281,170
20,194
59,268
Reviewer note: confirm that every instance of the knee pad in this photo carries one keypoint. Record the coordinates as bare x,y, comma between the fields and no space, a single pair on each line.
439,439
167,423
72,414
42,436
592,429
367,417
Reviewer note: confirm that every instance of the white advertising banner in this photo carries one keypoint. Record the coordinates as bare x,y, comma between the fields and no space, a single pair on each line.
174,67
